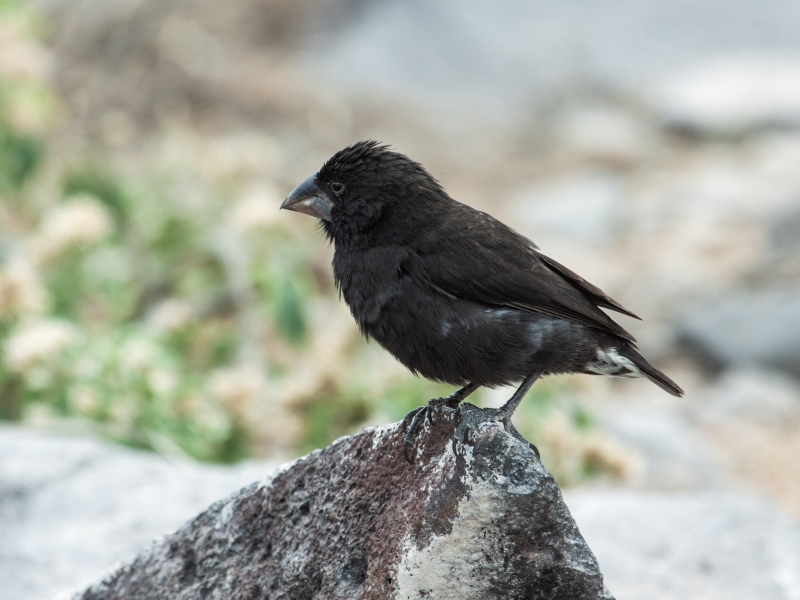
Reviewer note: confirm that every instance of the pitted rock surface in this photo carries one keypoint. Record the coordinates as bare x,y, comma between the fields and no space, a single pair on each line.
475,520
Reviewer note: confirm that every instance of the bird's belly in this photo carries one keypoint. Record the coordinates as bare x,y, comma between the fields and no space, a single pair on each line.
458,341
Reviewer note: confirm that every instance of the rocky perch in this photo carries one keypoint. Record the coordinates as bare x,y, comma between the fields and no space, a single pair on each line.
474,520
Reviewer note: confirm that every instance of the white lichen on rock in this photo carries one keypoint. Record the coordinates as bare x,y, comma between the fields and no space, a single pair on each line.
437,569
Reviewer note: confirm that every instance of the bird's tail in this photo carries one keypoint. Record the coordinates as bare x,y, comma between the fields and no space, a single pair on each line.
653,374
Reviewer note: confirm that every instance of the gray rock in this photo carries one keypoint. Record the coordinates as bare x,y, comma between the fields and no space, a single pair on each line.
732,95
690,546
675,456
747,328
582,208
483,519
491,60
70,508
752,395
606,134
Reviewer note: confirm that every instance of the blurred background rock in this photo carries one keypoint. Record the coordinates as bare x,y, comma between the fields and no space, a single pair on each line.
152,295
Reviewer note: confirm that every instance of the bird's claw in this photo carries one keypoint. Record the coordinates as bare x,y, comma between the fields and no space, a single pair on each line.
416,417
468,416
408,420
413,420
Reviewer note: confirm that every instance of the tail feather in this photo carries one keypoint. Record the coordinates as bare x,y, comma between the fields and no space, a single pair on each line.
653,374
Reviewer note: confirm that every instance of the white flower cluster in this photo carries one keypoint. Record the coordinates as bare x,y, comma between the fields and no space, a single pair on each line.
37,343
25,64
21,292
238,388
170,315
20,57
80,221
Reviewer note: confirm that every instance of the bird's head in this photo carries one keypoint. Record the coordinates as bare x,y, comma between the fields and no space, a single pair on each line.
366,191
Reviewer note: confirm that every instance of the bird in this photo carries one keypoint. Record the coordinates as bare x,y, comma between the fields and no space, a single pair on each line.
454,294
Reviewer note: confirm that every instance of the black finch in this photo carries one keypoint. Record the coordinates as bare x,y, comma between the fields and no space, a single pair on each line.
454,294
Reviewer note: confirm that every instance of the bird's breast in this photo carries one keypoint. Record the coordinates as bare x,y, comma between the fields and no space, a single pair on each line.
369,282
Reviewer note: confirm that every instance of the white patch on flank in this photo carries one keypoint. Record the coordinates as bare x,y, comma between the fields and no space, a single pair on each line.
446,327
612,364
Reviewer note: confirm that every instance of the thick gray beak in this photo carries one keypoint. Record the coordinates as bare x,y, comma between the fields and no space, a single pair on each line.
309,199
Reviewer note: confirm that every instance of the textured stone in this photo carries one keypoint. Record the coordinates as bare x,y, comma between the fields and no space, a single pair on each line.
690,546
70,508
482,520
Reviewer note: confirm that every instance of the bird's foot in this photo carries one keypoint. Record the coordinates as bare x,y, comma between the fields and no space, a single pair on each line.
414,419
469,416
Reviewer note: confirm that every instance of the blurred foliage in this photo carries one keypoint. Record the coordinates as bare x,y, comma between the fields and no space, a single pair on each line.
90,180
27,106
19,157
176,310
571,442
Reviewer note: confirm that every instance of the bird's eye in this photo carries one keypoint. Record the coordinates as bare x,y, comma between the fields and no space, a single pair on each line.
337,188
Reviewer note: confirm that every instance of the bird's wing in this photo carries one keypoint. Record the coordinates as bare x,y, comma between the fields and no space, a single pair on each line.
472,255
594,293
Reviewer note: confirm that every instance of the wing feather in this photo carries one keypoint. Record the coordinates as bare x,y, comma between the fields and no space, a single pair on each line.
472,255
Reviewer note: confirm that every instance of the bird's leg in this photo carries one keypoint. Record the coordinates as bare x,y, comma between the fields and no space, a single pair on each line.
413,419
474,416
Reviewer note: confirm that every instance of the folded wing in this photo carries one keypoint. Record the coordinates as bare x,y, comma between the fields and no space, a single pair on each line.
486,261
